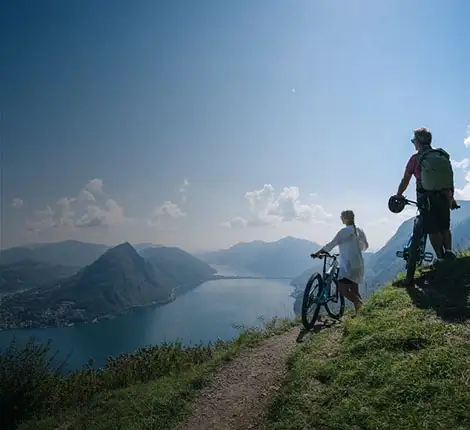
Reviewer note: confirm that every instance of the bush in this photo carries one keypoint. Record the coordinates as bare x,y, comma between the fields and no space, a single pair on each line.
28,374
32,382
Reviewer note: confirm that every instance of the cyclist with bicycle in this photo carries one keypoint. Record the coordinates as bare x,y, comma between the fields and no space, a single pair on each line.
351,241
434,191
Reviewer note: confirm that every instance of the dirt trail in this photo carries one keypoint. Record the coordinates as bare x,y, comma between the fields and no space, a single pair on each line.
240,391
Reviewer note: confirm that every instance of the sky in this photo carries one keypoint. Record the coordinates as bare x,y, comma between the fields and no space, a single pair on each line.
203,124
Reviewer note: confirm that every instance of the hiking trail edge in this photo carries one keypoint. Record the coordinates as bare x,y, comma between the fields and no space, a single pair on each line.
239,392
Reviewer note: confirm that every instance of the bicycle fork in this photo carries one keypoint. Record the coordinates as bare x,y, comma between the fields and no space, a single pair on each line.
327,280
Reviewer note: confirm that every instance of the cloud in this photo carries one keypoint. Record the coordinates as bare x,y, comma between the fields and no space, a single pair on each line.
184,186
463,164
380,221
94,186
17,203
165,215
463,193
183,190
169,209
267,208
237,222
91,207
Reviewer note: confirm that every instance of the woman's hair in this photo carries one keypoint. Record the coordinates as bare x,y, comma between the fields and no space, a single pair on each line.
348,215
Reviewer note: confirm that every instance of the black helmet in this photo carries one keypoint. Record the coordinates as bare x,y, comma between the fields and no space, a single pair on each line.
396,205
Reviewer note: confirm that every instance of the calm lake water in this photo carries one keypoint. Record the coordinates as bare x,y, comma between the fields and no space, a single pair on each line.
206,313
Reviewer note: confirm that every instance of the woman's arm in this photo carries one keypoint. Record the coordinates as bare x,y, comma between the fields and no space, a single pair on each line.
330,245
362,239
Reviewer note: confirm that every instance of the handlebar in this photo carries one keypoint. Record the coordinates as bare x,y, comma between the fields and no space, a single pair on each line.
411,202
324,254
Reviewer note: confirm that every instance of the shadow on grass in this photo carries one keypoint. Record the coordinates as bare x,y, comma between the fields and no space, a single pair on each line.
446,290
320,325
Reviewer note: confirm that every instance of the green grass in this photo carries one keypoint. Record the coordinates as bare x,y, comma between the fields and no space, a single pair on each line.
398,365
152,388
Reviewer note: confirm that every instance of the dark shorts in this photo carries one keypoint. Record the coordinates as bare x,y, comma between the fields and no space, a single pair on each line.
346,281
436,216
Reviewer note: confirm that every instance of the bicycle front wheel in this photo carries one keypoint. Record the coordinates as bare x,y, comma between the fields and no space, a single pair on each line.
413,252
310,306
335,303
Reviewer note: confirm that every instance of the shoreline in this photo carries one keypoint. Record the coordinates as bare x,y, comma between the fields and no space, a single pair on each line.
65,323
176,292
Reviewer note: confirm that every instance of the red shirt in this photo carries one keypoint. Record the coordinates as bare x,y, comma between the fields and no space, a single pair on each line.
412,167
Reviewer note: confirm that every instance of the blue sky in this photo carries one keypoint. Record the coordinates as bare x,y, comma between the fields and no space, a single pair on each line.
202,124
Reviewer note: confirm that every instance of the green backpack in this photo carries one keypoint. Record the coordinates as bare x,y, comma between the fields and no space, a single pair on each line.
436,170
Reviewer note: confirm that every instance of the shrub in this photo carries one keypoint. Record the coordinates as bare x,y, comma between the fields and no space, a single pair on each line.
28,374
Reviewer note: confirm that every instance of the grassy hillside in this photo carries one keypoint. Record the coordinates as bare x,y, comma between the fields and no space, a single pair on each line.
404,363
152,388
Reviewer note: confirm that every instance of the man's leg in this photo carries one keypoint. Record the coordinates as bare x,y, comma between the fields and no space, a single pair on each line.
438,244
447,242
431,227
443,223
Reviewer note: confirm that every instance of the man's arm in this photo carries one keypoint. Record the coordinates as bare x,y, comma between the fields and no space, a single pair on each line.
404,183
409,169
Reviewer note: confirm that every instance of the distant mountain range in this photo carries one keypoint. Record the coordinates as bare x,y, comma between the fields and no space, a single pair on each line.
66,282
118,280
27,274
286,257
68,253
176,268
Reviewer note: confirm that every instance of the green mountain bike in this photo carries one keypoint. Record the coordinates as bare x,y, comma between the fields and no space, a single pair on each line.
414,252
322,290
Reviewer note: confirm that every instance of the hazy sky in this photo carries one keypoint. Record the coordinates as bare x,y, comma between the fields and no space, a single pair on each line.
205,123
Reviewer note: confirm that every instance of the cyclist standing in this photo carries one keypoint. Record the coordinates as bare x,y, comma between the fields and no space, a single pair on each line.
434,191
351,241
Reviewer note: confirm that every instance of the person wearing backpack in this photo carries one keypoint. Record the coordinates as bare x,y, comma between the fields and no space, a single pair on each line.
434,189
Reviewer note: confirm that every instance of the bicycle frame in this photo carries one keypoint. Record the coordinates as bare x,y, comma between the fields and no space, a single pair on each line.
322,296
328,275
417,224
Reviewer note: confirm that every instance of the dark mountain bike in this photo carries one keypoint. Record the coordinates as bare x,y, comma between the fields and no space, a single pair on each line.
414,252
322,290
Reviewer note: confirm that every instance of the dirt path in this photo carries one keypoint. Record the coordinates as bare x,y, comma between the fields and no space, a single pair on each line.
239,393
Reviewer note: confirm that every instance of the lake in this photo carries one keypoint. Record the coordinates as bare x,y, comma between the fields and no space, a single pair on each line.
206,313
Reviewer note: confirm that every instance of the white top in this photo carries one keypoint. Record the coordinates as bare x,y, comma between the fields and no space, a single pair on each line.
351,262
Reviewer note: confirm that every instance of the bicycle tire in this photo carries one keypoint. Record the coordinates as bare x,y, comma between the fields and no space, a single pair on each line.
413,252
306,299
332,314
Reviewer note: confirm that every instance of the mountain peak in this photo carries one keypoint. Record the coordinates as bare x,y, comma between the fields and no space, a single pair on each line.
123,247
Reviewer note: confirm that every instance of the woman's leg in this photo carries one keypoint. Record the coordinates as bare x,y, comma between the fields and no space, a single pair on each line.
355,289
347,289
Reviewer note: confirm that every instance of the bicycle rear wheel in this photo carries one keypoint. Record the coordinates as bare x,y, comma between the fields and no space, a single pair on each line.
335,303
413,252
312,291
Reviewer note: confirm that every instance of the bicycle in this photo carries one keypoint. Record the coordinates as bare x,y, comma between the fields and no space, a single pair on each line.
414,252
322,284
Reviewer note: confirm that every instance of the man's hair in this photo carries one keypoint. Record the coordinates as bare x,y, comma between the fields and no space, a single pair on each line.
423,135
